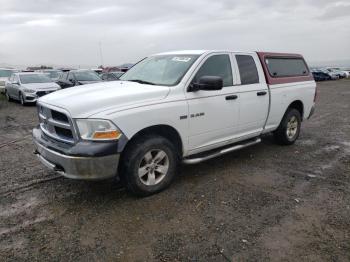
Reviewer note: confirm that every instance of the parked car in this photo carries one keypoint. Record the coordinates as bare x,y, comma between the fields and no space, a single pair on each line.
78,77
332,75
321,76
342,73
98,71
339,73
28,87
54,74
187,106
111,76
5,73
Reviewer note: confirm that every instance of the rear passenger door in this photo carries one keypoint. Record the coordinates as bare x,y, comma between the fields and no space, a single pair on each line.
254,95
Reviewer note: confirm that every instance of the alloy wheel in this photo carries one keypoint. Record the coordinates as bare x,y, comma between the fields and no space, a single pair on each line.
153,167
292,127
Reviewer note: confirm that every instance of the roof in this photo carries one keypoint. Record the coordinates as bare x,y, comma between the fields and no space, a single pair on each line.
29,73
201,52
184,52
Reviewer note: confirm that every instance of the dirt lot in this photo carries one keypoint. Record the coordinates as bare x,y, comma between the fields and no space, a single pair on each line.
266,202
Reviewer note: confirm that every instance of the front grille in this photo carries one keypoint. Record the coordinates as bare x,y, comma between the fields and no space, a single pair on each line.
62,132
59,116
2,83
42,93
56,124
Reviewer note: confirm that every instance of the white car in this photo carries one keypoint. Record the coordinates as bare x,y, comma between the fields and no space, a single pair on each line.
343,73
185,106
5,73
28,87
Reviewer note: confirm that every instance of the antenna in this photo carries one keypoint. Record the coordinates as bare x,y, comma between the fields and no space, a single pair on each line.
101,56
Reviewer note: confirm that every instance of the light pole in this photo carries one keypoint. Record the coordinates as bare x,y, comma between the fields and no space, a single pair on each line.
101,56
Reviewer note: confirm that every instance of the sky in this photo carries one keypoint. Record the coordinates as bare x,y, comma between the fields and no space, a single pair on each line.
73,32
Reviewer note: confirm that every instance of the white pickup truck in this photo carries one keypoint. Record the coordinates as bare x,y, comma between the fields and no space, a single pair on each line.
186,106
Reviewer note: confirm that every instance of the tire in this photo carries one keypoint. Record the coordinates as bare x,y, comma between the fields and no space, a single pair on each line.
289,129
148,165
8,98
21,99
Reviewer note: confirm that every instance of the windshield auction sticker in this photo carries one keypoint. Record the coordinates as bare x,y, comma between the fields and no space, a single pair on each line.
181,59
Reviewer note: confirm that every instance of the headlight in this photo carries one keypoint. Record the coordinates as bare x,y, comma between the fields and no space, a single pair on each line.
25,90
98,129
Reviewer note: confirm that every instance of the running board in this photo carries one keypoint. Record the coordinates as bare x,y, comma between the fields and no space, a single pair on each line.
221,152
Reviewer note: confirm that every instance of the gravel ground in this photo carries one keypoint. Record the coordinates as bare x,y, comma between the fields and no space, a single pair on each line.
266,202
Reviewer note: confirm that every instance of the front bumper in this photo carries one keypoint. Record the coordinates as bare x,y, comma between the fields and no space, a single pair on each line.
30,97
33,97
85,167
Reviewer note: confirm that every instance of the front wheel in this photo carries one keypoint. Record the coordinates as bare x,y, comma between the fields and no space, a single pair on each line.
148,165
289,129
8,98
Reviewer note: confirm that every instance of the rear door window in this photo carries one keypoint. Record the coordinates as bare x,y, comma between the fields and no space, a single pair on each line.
216,65
247,69
286,67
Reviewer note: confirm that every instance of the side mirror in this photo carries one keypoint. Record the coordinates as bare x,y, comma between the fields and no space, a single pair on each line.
207,83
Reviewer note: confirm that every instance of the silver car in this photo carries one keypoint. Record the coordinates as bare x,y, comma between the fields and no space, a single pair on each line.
5,73
28,87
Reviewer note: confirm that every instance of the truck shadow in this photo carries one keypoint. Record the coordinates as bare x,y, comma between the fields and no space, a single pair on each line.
186,173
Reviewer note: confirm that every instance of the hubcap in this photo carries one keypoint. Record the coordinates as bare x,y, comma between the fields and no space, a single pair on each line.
292,127
153,167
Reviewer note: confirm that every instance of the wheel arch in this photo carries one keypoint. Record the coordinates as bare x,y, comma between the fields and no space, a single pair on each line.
163,130
298,105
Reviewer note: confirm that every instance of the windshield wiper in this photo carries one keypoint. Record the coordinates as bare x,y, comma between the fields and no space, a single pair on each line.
141,82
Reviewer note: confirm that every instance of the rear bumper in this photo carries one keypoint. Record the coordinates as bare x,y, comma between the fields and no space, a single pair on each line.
75,166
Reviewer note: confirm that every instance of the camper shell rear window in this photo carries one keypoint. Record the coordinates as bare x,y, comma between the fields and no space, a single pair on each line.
286,66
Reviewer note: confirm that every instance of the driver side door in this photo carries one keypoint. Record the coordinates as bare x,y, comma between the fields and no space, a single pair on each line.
213,115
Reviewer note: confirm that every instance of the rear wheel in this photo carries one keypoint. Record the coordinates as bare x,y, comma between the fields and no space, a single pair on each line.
289,128
148,165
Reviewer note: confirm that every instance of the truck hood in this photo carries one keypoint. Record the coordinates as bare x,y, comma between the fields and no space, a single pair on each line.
41,86
87,100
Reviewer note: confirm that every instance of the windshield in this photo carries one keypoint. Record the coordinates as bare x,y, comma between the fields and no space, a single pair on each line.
34,78
166,70
53,74
118,74
87,76
6,72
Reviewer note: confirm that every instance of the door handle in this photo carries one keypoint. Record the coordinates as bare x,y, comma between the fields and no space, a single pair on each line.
262,93
232,97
